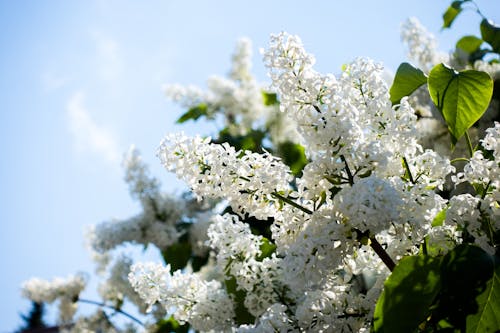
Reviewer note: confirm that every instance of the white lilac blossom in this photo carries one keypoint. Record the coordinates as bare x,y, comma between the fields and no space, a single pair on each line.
204,304
480,169
345,120
156,223
239,98
367,178
247,180
422,45
65,290
117,289
238,257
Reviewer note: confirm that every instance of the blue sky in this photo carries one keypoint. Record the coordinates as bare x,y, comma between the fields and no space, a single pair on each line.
80,81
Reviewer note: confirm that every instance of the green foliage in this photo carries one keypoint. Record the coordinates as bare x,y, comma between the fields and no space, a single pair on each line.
466,272
469,44
34,319
462,97
251,141
177,255
452,12
293,155
171,325
241,312
407,80
194,113
491,34
270,98
439,218
459,291
267,248
408,293
487,318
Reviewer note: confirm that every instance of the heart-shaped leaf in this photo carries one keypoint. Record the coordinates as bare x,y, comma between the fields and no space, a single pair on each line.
462,97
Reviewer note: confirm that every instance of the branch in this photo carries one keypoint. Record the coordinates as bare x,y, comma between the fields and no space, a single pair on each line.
81,300
379,250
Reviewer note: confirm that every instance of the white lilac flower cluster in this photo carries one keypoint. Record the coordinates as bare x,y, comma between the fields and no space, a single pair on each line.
205,304
247,180
422,45
155,224
368,180
64,290
239,98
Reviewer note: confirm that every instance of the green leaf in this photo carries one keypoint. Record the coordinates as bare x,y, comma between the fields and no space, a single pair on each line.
251,141
439,218
491,34
293,155
469,44
408,293
177,255
170,325
466,274
194,113
269,98
451,13
407,80
462,97
487,318
267,248
241,312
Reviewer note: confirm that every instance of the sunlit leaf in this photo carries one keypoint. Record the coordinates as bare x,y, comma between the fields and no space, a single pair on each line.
407,80
452,12
469,44
462,97
194,113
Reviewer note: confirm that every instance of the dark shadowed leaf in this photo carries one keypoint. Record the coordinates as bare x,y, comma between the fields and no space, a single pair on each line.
491,34
408,293
177,255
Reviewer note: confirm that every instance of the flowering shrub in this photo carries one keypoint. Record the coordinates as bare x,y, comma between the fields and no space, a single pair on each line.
323,205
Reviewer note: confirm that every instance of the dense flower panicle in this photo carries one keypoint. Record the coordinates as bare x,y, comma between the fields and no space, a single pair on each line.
238,252
371,204
117,288
275,319
204,304
350,116
65,290
239,98
156,223
482,170
247,180
492,140
422,45
242,61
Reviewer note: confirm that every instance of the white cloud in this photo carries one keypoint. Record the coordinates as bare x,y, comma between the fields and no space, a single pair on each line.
89,136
